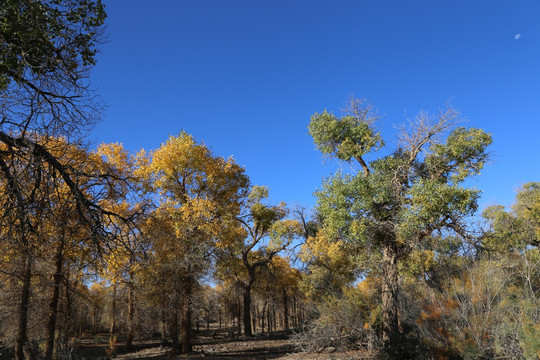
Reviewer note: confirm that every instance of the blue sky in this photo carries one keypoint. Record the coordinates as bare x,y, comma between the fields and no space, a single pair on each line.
245,76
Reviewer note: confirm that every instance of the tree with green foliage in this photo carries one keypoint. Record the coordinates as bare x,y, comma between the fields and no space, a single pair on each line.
514,231
399,200
47,49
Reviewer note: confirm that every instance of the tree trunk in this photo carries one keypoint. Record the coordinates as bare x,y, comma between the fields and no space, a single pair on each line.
295,312
247,312
112,326
390,290
263,317
53,306
68,326
285,310
174,327
94,319
23,308
163,326
239,313
254,320
268,319
185,323
130,314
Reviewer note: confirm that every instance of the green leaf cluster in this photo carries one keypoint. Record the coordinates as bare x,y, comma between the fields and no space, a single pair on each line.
345,137
41,37
405,196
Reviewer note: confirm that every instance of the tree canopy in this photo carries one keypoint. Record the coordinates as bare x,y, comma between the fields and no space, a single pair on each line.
399,200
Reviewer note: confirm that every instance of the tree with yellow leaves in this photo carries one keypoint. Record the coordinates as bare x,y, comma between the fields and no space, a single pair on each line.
120,264
267,232
43,220
330,265
197,194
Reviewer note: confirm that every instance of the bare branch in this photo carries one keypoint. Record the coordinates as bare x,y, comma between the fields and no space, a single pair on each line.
362,109
425,130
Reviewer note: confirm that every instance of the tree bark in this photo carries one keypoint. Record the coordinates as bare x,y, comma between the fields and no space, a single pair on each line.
112,326
392,336
130,314
174,328
239,313
268,319
53,306
247,312
185,323
23,308
295,312
253,320
285,310
68,309
263,317
163,326
274,317
94,319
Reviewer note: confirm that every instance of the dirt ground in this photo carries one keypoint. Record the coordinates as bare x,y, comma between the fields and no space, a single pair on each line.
275,346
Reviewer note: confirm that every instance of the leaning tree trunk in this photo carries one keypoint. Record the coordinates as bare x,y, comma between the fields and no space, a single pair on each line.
23,308
392,336
53,306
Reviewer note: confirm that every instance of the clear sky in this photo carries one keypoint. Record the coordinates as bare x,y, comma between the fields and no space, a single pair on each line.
245,76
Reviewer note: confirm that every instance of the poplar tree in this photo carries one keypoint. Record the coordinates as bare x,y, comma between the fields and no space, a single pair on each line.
395,202
198,194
